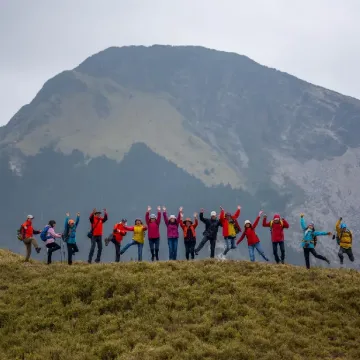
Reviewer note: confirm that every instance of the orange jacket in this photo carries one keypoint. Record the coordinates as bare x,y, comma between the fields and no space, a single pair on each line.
192,227
27,230
97,224
119,232
225,222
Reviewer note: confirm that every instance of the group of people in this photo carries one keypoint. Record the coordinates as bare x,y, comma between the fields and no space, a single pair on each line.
187,226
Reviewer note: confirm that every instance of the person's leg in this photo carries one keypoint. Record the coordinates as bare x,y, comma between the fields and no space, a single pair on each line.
92,249
170,248
192,249
233,243
307,257
127,246
99,248
175,246
34,243
157,246
117,250
140,249
212,247
70,252
260,250
27,243
319,256
201,244
275,252
187,249
227,241
350,254
282,250
152,249
51,248
251,249
341,255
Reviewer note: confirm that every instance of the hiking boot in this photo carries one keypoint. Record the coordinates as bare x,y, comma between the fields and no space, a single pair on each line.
152,257
38,250
233,247
196,253
89,261
97,261
106,242
328,261
283,261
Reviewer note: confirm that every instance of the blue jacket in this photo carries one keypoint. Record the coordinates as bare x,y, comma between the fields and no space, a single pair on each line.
72,230
309,235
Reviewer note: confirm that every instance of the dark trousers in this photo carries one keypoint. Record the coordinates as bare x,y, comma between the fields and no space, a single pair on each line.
154,248
348,252
204,240
307,252
71,249
117,249
282,250
95,240
190,248
51,248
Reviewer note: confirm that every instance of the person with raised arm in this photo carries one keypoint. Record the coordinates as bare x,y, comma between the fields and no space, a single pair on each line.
69,235
153,223
116,237
188,226
277,226
309,241
212,225
252,238
344,239
172,224
96,233
230,227
138,237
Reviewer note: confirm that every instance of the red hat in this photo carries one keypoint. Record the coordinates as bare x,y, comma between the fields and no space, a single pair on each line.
277,217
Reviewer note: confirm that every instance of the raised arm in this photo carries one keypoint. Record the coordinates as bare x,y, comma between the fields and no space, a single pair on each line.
91,217
178,218
158,219
147,217
196,222
105,218
222,215
337,227
285,224
166,219
237,213
302,222
265,223
66,223
202,219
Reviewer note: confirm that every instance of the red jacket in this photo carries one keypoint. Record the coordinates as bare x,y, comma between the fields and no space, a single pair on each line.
97,224
250,234
119,232
153,226
27,230
277,230
225,223
192,228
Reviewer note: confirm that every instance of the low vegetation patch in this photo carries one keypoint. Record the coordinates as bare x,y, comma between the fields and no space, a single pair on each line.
177,310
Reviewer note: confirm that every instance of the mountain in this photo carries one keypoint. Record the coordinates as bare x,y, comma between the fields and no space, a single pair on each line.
186,126
177,310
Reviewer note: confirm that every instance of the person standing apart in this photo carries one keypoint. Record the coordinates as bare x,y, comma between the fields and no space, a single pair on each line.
95,234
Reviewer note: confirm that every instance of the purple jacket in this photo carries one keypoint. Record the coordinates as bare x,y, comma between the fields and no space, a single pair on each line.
153,226
172,229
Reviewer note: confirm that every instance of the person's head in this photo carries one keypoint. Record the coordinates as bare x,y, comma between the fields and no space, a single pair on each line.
138,221
311,225
97,214
188,222
30,218
343,226
276,218
152,217
228,216
71,223
247,223
52,223
213,215
124,221
172,219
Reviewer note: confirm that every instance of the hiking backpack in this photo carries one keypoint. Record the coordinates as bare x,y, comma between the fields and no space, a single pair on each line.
20,234
281,223
43,235
338,238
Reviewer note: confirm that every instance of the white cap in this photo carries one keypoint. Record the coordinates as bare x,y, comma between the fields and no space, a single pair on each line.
30,217
172,217
152,216
247,222
213,213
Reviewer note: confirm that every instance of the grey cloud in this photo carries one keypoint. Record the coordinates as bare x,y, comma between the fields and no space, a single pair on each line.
314,40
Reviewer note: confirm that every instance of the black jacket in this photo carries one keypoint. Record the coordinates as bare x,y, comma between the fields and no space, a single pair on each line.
211,227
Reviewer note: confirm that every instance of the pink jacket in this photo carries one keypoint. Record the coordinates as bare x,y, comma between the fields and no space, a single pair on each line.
172,228
153,226
51,232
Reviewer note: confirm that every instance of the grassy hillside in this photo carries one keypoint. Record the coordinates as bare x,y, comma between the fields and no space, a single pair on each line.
177,310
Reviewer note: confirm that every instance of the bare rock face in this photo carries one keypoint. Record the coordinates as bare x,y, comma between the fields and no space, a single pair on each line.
232,130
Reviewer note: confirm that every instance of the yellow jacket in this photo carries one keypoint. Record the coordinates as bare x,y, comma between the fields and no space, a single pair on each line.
344,236
139,232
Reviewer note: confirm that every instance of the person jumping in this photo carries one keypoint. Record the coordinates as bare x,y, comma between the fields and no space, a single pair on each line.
230,227
153,223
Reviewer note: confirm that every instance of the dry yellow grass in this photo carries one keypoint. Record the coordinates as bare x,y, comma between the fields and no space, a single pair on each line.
177,310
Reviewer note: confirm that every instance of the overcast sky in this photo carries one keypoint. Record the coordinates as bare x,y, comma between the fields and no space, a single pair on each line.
316,40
